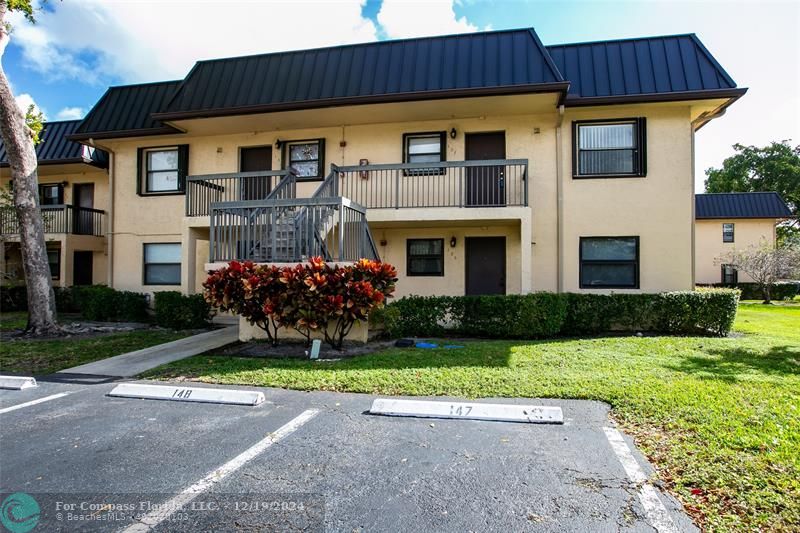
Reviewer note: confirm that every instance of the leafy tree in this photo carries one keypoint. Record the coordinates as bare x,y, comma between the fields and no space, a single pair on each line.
765,264
752,169
19,133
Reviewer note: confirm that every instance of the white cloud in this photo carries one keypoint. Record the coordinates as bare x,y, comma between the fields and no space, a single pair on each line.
70,113
417,18
97,41
25,100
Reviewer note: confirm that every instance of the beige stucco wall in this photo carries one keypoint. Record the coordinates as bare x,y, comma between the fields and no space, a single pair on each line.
454,280
657,208
709,246
69,175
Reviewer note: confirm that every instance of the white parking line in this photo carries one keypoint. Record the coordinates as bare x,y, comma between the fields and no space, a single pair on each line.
657,514
34,402
151,520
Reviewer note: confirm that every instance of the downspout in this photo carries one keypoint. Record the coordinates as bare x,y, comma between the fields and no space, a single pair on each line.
110,218
559,204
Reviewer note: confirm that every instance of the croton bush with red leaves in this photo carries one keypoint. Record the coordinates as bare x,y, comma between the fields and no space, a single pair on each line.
307,297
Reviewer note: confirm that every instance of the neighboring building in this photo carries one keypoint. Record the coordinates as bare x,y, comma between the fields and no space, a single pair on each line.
733,221
455,158
73,193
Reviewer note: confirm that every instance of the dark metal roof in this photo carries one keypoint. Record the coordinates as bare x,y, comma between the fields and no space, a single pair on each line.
496,62
741,205
644,69
55,148
125,111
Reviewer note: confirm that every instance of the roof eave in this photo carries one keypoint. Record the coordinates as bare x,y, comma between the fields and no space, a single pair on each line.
559,87
577,101
740,217
65,161
144,132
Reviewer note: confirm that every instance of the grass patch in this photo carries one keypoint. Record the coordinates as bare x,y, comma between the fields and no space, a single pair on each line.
13,321
39,357
719,417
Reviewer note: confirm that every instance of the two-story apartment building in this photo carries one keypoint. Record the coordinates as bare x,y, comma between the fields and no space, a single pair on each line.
73,194
733,221
477,164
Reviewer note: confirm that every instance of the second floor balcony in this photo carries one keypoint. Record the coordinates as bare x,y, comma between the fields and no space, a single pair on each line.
446,184
59,218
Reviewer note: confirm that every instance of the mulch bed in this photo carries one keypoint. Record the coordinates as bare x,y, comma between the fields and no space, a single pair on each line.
293,349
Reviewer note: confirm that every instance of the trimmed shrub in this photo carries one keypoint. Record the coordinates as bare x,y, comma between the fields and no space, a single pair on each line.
588,314
541,315
782,290
93,302
703,311
514,316
13,298
424,316
101,303
176,311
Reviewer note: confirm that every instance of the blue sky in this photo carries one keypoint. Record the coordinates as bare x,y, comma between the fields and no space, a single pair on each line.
78,48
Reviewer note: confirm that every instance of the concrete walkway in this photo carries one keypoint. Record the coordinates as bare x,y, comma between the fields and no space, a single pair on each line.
134,363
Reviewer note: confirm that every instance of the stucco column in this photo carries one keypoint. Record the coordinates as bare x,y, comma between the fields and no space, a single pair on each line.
188,259
525,251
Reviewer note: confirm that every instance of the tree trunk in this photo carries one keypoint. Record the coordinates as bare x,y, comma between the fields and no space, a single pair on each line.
766,293
21,156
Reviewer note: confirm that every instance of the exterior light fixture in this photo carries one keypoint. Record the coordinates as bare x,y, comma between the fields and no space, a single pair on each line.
278,143
453,133
453,242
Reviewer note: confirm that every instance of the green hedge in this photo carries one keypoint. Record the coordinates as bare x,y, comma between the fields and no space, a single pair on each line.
98,302
94,302
782,290
514,316
13,298
176,311
542,315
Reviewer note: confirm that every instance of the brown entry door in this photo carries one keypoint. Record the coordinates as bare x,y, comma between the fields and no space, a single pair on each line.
486,265
82,268
485,184
82,215
256,159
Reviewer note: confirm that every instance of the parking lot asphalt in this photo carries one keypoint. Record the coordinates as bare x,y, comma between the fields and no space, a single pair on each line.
311,461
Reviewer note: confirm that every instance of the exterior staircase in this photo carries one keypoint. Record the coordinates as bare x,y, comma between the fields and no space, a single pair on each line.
282,229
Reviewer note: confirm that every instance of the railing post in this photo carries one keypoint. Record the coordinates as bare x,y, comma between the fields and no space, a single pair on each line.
396,188
525,180
212,238
341,228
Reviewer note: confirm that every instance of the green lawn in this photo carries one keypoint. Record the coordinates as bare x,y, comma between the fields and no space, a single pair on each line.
719,417
12,321
36,357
